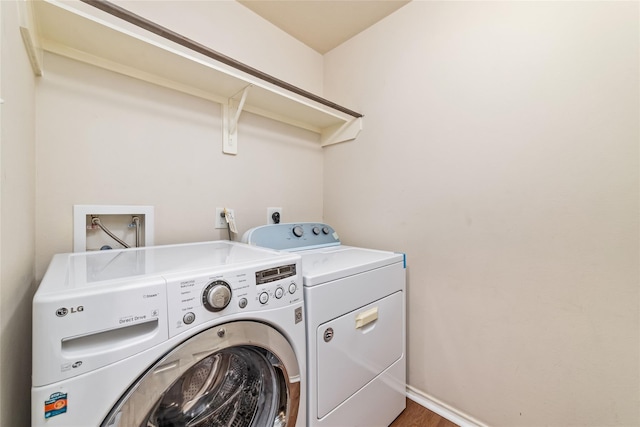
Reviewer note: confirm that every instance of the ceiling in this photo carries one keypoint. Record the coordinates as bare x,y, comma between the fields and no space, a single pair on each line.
323,24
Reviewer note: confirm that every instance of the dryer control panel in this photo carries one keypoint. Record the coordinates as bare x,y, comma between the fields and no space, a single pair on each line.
292,237
196,299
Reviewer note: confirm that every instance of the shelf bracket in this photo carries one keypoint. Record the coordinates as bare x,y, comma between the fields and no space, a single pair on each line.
347,131
230,116
30,37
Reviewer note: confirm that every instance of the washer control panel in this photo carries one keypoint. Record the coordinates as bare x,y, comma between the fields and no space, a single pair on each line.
193,300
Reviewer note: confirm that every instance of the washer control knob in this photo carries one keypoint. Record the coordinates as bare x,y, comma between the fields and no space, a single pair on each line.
292,288
316,230
242,303
298,231
325,230
264,297
216,295
189,318
279,293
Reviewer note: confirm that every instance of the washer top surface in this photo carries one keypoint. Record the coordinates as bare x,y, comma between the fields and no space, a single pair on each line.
324,258
88,269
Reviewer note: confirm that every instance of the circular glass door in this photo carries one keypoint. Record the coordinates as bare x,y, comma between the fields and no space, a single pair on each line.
241,374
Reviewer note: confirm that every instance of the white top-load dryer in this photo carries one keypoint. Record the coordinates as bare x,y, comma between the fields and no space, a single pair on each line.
355,306
205,334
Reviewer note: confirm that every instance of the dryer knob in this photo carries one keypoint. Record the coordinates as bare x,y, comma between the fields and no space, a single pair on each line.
298,231
216,295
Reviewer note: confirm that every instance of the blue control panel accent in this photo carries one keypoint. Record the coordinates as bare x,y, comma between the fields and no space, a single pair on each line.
292,236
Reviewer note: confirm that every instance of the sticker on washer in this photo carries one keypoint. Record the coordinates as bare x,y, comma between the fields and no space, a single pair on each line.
55,405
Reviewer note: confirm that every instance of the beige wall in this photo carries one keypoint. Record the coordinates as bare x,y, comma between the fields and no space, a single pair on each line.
108,139
500,151
17,221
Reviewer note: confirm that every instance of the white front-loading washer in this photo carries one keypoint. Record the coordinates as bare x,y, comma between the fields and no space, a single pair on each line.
204,334
355,306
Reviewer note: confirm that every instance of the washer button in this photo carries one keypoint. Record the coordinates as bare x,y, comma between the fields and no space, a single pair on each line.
264,297
279,292
242,303
189,318
292,288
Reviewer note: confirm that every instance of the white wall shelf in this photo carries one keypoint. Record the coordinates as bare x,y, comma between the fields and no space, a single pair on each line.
85,33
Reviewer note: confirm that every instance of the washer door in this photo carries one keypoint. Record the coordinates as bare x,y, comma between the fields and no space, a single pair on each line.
237,374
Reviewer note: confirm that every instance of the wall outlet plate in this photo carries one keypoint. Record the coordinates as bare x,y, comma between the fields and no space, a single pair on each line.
220,222
270,212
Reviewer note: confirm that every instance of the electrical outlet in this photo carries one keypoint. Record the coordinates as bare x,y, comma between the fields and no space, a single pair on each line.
219,219
270,215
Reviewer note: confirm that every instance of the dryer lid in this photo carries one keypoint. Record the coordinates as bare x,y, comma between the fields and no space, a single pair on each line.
327,264
323,257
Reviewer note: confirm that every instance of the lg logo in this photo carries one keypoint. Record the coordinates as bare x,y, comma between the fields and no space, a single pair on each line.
63,311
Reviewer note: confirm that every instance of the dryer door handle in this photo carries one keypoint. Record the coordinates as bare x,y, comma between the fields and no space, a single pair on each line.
366,317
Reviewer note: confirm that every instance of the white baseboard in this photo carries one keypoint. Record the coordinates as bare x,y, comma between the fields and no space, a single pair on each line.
442,409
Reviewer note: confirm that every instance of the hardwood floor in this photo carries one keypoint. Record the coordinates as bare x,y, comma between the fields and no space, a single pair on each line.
418,416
